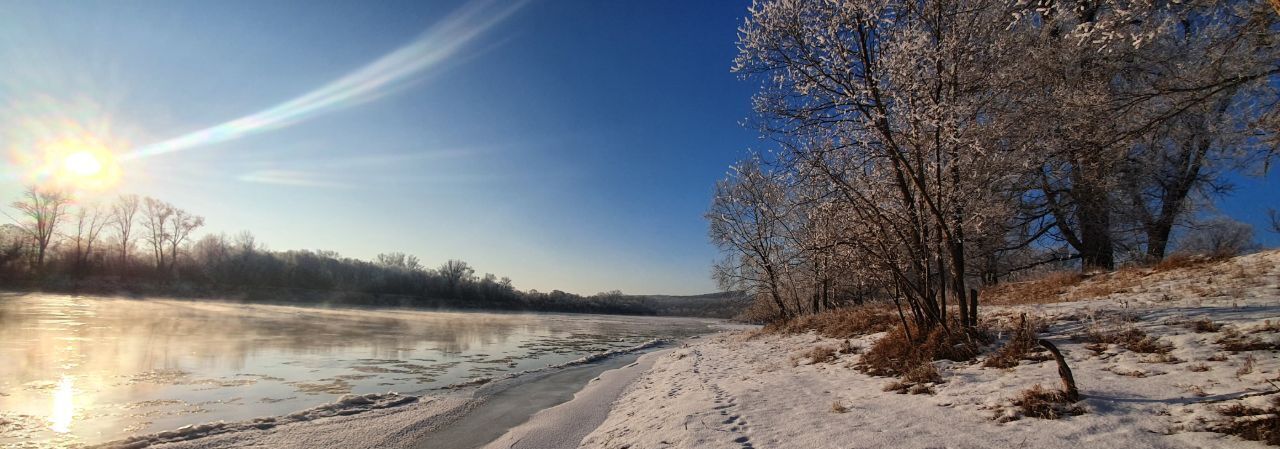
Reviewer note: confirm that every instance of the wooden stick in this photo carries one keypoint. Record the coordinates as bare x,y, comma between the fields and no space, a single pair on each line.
1064,371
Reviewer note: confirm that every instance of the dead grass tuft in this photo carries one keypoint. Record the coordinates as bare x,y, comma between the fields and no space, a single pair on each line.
1198,368
1204,325
1232,340
1039,402
847,322
897,355
836,407
822,354
1128,337
906,387
1246,367
1021,346
1251,423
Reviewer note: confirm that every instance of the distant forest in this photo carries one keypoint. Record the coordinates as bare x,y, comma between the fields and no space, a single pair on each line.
144,246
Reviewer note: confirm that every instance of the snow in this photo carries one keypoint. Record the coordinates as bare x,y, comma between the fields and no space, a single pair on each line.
741,390
564,426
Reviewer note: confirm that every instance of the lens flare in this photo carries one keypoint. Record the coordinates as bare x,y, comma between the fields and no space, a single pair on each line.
431,49
68,143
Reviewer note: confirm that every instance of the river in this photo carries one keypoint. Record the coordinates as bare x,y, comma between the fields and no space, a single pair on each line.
84,369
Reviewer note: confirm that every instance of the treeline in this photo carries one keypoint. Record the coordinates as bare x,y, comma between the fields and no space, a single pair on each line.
925,149
143,245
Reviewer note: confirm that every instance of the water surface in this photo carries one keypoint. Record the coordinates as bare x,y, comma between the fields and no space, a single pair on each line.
94,369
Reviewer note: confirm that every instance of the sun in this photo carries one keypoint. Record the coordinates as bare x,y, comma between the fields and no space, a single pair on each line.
82,163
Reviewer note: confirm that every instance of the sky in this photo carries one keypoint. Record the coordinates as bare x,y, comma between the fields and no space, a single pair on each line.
566,144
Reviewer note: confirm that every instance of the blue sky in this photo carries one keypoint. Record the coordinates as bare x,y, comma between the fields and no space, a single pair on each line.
571,145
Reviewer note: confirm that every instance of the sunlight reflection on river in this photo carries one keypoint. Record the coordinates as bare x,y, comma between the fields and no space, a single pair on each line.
93,369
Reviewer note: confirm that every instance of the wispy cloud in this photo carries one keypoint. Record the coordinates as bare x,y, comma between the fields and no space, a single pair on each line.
432,48
292,178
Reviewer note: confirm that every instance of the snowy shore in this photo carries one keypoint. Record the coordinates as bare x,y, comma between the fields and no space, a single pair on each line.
744,390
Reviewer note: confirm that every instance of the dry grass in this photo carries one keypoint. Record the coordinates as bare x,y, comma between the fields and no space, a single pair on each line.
1128,337
847,322
1039,402
836,407
1246,367
1204,325
905,387
1234,341
847,347
822,354
1198,368
1184,260
1251,423
1045,289
1021,345
897,355
1061,286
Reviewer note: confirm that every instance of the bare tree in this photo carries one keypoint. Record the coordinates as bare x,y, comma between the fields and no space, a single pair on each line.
123,212
181,225
455,272
156,215
399,260
43,210
90,220
746,223
1219,237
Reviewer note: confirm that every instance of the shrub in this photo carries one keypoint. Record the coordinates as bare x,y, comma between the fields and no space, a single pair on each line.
897,355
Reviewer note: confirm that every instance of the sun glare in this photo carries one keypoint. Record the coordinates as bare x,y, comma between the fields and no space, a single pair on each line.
80,163
83,163
63,406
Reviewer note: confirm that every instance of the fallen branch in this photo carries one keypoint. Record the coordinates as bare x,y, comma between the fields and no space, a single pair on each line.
1064,371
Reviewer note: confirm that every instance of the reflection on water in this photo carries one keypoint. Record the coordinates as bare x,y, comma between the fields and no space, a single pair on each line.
63,408
92,369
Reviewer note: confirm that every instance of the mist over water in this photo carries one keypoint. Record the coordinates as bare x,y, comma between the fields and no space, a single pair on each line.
93,369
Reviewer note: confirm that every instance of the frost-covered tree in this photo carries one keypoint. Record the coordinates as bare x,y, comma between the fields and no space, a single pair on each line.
892,107
747,222
1136,105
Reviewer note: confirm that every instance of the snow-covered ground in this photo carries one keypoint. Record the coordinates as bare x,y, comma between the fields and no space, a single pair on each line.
744,390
